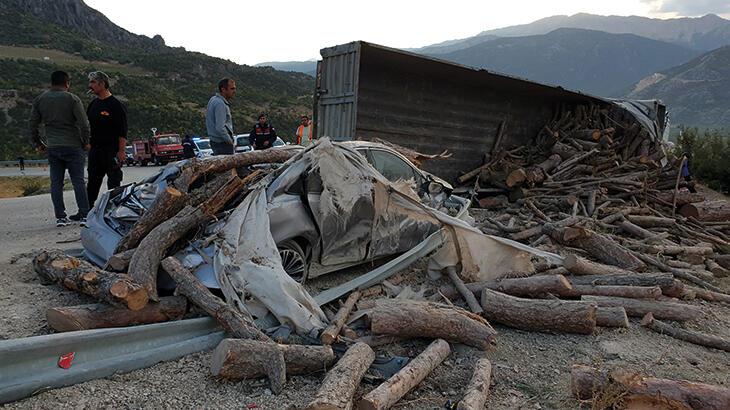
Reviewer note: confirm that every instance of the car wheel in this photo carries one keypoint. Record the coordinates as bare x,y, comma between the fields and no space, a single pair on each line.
294,260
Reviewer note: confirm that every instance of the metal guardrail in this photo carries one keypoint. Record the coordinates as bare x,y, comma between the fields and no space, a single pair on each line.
28,162
30,365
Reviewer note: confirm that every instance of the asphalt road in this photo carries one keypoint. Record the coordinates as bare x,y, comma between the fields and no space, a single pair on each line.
28,223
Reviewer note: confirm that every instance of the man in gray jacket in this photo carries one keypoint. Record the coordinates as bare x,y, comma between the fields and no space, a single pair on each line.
67,137
218,119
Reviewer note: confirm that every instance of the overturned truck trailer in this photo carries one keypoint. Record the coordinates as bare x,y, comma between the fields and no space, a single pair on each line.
365,91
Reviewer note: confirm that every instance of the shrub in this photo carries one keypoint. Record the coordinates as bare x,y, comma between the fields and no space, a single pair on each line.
710,156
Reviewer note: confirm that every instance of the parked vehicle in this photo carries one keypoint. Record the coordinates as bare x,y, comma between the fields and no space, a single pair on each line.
243,143
202,147
130,155
291,222
159,150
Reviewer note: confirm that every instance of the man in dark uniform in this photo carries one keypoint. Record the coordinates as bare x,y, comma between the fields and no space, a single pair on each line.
263,134
188,147
108,121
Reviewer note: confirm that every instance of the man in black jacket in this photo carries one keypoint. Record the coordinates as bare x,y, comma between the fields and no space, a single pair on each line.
108,121
263,134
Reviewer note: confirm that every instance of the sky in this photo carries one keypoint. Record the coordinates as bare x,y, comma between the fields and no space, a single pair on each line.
285,30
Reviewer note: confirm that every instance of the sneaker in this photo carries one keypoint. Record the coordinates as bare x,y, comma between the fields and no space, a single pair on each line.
81,219
62,222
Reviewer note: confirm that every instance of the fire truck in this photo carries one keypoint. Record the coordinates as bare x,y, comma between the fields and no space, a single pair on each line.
158,149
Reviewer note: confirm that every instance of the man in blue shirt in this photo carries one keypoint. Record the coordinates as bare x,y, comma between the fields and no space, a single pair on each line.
218,119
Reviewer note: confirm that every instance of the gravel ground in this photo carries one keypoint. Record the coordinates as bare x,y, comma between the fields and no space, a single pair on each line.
530,370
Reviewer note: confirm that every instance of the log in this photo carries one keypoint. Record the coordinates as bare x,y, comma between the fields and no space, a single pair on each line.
248,359
539,315
564,150
341,382
527,233
683,197
468,296
638,308
119,262
195,169
393,389
636,391
709,295
237,359
635,292
167,204
679,273
586,134
329,335
611,317
535,174
100,315
531,287
408,318
679,250
651,221
478,388
232,320
708,211
717,270
722,260
663,280
581,266
597,245
630,228
697,338
146,260
116,289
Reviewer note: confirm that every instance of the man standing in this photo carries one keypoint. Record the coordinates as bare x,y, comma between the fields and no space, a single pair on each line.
263,134
218,119
67,136
108,120
188,148
304,132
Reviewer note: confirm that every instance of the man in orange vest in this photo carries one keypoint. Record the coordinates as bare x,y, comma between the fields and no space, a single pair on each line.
304,132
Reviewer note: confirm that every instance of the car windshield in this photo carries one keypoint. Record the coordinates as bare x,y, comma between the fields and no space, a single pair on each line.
204,144
279,142
242,140
168,140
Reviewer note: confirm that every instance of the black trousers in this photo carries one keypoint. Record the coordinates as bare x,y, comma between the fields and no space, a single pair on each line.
102,162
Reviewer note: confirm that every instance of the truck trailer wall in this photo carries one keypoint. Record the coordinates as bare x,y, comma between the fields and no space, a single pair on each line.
365,91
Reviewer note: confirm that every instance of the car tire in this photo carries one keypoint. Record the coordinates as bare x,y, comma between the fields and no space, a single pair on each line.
294,260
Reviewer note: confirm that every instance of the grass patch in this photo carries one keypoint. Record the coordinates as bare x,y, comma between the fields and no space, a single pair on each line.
64,59
14,187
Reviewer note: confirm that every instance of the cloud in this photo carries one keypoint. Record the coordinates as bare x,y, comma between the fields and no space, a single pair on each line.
690,8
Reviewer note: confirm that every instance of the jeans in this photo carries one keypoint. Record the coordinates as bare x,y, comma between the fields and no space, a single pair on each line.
61,159
103,162
221,148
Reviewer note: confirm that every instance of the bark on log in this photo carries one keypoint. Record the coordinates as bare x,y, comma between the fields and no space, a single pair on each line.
119,262
662,280
586,134
651,221
237,359
679,250
629,227
638,308
634,292
709,295
534,175
697,338
166,205
233,321
683,197
117,289
212,165
708,211
248,359
330,333
588,383
341,382
597,245
146,260
611,317
468,296
723,260
393,389
532,287
537,230
717,270
478,388
581,266
564,150
99,315
407,318
539,315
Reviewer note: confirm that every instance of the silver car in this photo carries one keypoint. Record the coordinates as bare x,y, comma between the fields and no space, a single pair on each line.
292,227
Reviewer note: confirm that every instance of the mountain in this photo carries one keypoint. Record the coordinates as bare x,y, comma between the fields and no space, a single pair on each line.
701,33
306,67
592,61
163,87
697,92
453,45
